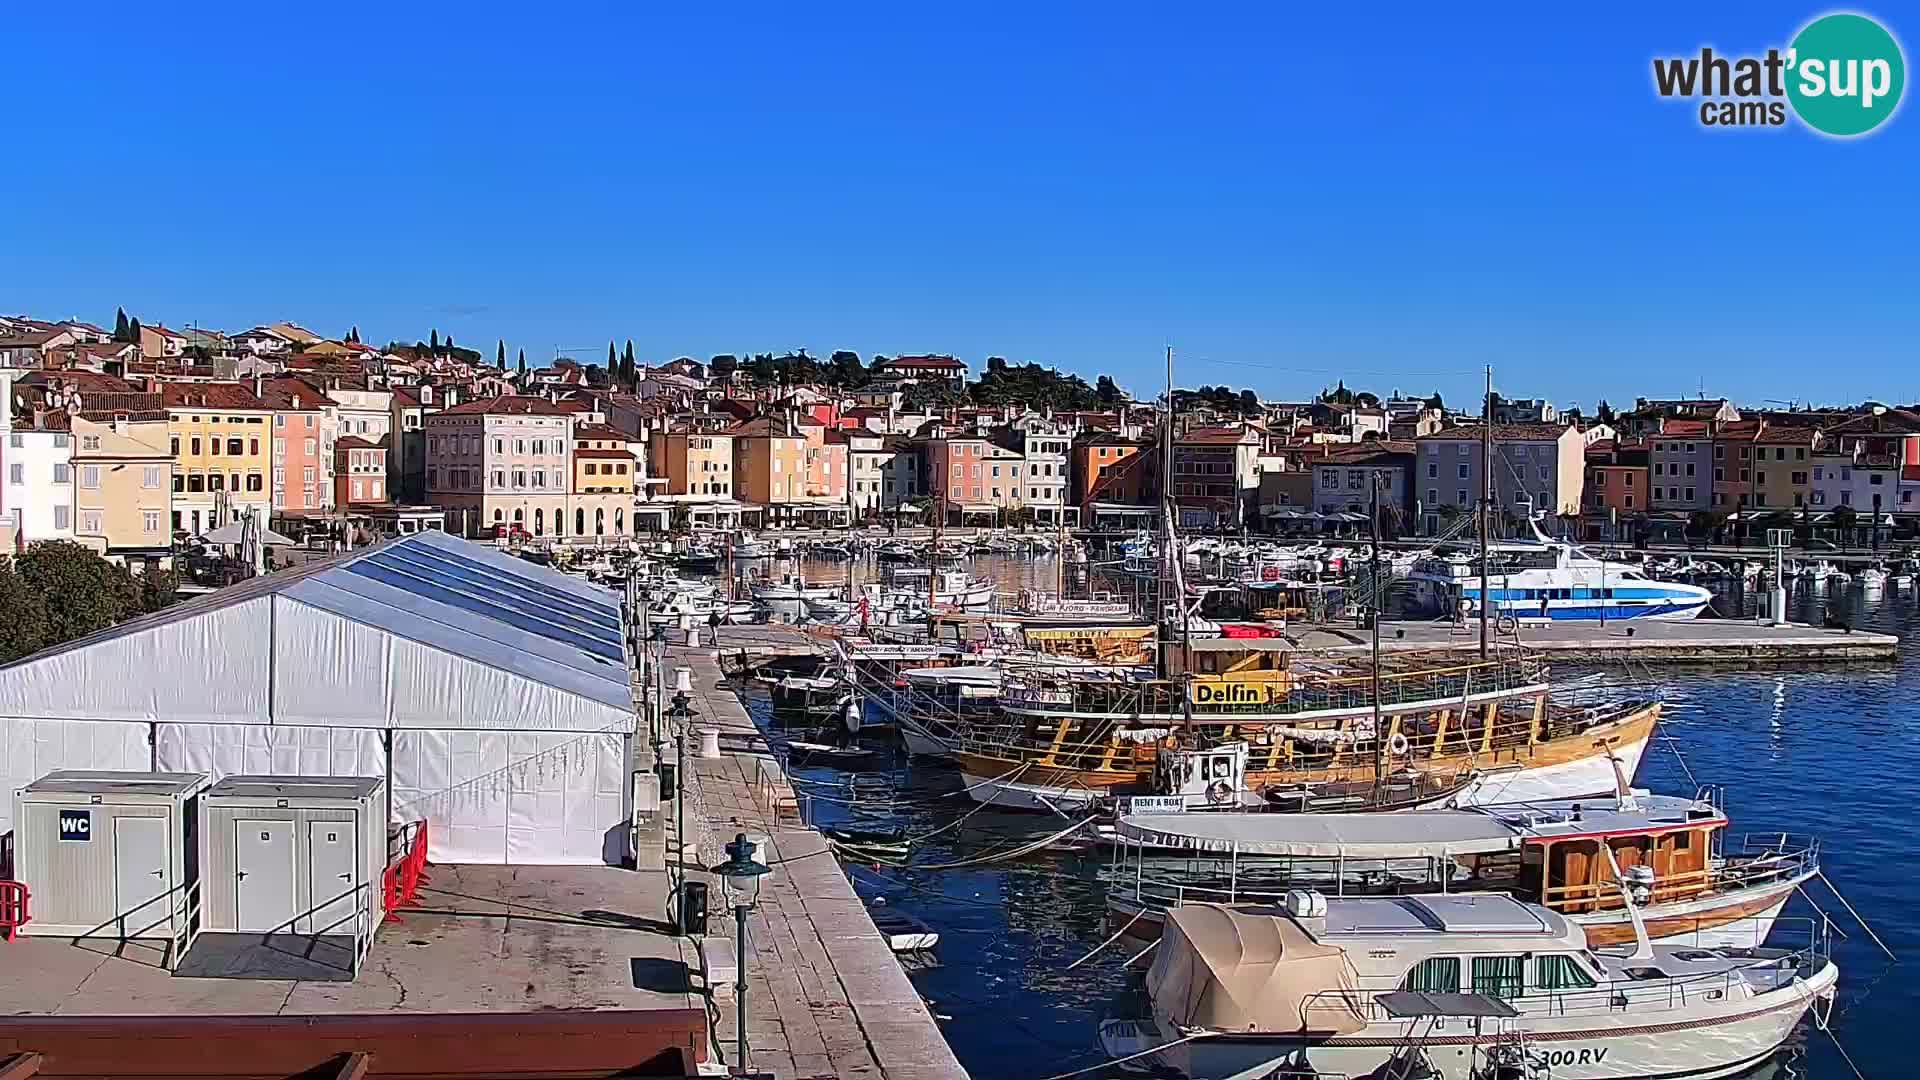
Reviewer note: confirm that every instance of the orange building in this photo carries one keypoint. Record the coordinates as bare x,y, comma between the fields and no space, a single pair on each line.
1618,485
1110,468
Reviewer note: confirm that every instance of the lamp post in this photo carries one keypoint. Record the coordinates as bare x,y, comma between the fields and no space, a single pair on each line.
682,685
742,876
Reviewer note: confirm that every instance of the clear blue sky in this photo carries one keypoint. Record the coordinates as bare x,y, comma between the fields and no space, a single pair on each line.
1399,193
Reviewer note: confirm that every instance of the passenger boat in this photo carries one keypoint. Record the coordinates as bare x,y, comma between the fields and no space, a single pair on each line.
1549,579
1455,987
949,589
1472,731
1691,884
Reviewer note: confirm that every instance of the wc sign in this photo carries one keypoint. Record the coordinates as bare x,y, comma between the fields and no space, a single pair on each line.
76,825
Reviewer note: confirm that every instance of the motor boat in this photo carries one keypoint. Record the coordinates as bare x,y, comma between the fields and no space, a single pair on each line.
1551,579
1455,987
745,547
791,589
949,588
1873,577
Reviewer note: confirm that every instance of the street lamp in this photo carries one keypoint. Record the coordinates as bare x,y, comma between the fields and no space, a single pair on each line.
742,877
682,686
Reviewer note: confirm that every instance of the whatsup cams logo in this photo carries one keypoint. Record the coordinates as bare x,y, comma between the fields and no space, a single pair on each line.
1842,75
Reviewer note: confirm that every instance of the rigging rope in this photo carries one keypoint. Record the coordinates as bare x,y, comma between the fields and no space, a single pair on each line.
1116,937
1133,1057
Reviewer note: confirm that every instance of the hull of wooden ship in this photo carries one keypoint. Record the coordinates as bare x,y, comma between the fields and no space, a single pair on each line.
1587,762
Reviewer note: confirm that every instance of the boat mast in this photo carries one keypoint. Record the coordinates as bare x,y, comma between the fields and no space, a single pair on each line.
1379,735
1486,506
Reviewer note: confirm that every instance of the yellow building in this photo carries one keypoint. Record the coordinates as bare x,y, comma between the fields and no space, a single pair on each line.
693,463
122,491
221,438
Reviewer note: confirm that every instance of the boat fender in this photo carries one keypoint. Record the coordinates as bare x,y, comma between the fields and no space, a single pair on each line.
1219,791
1170,741
1397,745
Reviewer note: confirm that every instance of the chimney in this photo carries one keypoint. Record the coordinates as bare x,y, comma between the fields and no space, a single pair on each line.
256,384
296,402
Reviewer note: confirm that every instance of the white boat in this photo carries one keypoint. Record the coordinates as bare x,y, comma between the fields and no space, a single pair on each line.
949,589
827,608
1455,987
792,589
1692,883
1873,578
1552,579
748,548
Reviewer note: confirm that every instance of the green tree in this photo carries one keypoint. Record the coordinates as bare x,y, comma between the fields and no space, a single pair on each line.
353,334
500,355
1604,412
24,630
120,325
1107,392
133,331
82,591
845,370
433,341
613,357
1249,403
1434,402
723,365
629,367
157,589
523,367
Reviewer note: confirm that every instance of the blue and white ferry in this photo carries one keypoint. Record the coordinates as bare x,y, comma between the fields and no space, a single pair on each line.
1552,579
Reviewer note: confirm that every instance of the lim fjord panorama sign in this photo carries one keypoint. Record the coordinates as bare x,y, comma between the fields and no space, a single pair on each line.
1842,76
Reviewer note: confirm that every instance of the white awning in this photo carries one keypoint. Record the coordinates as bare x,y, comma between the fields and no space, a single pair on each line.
1414,835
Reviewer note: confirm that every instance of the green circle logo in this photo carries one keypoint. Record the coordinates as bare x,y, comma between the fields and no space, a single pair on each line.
1845,74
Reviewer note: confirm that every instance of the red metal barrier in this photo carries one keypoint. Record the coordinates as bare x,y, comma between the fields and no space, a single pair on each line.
407,872
16,908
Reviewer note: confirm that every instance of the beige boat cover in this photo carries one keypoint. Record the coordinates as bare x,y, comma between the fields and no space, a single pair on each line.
1226,969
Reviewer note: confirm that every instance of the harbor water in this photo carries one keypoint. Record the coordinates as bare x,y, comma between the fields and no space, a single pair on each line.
1824,752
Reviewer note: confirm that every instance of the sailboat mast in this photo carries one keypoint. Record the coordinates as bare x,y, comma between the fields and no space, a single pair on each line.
1374,604
1486,507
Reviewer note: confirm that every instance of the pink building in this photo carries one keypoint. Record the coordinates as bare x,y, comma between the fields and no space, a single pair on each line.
299,451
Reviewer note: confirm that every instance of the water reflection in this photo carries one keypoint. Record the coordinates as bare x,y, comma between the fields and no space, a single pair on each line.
1819,751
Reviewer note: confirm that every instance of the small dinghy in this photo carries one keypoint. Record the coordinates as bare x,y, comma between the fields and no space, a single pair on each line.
801,752
902,932
888,842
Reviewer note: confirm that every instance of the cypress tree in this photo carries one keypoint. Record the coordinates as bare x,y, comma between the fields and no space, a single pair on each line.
500,355
631,369
133,331
433,341
523,367
120,324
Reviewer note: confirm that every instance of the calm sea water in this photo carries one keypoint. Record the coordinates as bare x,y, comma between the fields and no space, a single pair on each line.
1825,752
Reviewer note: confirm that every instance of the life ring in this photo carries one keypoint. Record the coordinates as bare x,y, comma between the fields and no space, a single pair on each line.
1170,742
1397,745
1219,792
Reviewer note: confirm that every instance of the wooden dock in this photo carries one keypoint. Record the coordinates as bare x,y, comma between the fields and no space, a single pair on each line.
826,996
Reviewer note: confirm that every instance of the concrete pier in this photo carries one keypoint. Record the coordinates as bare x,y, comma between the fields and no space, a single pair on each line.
826,997
1720,642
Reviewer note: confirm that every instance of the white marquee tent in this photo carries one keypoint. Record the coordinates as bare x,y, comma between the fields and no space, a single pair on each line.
491,693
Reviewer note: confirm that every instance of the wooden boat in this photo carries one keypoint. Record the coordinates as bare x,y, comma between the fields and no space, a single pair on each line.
1691,883
903,932
803,752
1068,738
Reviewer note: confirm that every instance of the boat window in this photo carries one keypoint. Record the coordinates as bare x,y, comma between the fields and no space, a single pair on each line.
1645,974
1559,973
1435,975
1499,976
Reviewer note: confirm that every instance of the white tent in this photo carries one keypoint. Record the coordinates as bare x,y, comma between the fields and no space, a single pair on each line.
491,693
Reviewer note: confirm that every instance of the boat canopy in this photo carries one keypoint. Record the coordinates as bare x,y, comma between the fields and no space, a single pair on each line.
1229,970
1425,834
969,675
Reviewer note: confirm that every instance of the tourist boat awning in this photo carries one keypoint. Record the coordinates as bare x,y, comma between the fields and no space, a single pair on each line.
1426,834
1227,970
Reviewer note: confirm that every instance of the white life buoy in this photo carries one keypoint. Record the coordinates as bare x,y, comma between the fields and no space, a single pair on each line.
1397,745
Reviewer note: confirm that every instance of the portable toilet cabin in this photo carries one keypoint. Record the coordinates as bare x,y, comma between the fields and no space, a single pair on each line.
109,855
295,855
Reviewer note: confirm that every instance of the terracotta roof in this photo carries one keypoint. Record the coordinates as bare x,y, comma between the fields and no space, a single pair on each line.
87,382
1501,433
355,442
1786,436
1897,421
510,405
1365,453
1215,436
210,395
599,431
404,397
944,363
279,392
619,455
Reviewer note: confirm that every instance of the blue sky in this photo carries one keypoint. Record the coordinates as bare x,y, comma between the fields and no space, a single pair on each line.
1284,195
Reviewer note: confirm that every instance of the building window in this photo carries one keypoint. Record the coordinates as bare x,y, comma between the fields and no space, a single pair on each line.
89,477
234,447
150,477
152,520
90,522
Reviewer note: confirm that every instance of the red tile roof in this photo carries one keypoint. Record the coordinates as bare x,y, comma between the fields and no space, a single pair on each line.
938,363
619,455
355,442
1501,433
510,405
210,395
